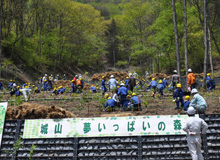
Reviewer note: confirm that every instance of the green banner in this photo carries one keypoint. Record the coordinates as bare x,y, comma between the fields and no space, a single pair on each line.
104,126
3,109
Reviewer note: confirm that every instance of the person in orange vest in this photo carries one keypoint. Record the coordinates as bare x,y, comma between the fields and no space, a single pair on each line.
191,79
79,86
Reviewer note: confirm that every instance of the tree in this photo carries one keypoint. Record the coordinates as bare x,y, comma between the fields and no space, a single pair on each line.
176,38
185,38
205,43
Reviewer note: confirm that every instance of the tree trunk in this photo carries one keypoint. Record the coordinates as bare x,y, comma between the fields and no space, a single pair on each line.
210,52
206,44
176,37
186,39
1,12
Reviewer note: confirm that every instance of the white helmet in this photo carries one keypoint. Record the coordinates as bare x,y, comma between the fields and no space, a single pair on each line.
76,75
112,76
175,71
122,84
189,70
45,75
194,91
130,74
191,111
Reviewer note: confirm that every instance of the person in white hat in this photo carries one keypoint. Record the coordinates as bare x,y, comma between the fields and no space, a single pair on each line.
198,102
194,127
112,83
191,79
122,93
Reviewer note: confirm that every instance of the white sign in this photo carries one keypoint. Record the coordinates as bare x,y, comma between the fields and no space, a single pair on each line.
109,126
3,109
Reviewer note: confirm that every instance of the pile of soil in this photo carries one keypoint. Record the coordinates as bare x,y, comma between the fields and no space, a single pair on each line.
117,75
36,111
65,84
158,76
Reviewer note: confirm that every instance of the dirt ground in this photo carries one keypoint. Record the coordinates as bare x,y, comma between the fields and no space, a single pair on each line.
91,105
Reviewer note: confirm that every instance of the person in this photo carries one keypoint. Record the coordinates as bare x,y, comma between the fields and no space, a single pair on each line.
165,82
112,83
161,87
198,102
93,89
212,84
135,102
191,79
1,85
131,82
122,93
109,104
178,97
45,85
50,85
127,103
72,87
61,90
153,84
54,91
36,90
106,96
126,83
78,86
208,82
26,93
10,85
104,89
175,79
195,127
186,103
44,78
135,75
51,76
64,77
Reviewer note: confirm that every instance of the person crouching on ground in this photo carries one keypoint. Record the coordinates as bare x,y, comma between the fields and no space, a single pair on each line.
135,101
186,103
198,102
178,97
109,105
93,89
194,127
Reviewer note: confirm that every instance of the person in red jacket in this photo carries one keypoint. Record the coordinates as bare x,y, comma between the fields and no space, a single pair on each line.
191,79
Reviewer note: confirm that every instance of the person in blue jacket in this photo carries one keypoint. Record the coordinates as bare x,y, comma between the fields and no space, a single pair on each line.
178,97
45,85
212,84
18,93
126,83
122,93
1,86
93,89
104,89
109,104
186,103
61,90
135,101
153,84
208,82
165,83
10,85
73,87
161,87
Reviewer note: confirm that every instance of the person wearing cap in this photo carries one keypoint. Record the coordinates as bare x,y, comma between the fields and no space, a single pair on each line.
122,93
112,83
93,89
165,82
36,90
186,103
208,82
45,85
104,89
153,84
127,83
109,105
198,102
175,78
178,97
195,127
131,82
61,90
161,87
135,102
212,83
191,79
10,85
